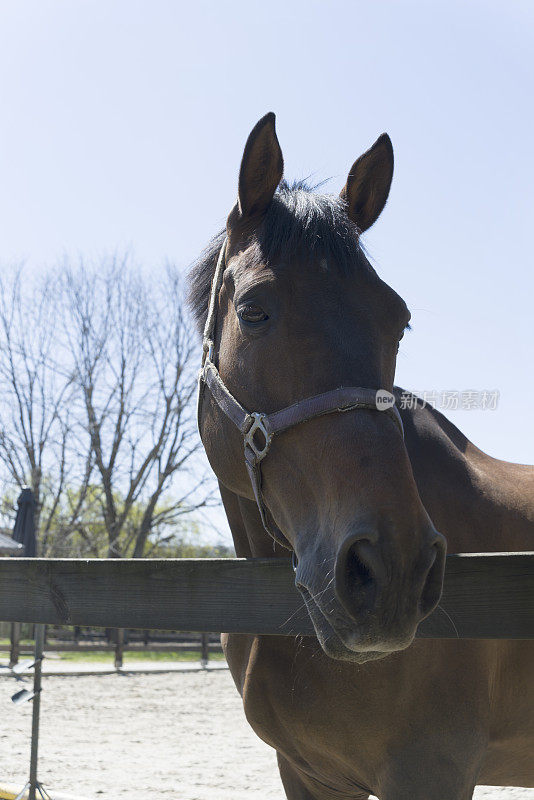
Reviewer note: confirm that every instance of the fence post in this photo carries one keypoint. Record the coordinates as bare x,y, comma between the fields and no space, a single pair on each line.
39,646
15,644
205,649
119,647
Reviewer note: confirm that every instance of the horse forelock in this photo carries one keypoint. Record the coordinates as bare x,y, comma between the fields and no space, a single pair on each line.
302,227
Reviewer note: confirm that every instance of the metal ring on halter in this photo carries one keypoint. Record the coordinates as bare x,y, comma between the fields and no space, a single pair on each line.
258,425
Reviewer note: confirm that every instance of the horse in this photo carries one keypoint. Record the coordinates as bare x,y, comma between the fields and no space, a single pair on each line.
298,325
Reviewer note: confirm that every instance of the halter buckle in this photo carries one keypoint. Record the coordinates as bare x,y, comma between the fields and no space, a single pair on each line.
258,425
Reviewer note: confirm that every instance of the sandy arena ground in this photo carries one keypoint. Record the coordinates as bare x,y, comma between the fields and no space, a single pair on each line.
181,736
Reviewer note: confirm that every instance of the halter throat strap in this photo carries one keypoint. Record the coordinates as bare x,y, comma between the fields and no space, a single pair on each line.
257,428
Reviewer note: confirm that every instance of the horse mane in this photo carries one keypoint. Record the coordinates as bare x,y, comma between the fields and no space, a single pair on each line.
299,222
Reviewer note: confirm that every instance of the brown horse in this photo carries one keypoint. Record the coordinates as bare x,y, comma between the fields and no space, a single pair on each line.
297,313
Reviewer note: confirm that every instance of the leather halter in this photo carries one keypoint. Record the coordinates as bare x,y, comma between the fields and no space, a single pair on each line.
258,429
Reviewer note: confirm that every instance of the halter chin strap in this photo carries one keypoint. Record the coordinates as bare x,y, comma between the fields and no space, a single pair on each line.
258,429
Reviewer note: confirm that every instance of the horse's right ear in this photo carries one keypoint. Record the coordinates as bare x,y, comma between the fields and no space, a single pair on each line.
261,170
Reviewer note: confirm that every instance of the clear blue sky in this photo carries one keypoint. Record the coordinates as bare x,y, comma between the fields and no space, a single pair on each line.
123,124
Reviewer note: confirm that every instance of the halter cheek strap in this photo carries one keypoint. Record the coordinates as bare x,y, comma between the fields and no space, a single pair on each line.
258,429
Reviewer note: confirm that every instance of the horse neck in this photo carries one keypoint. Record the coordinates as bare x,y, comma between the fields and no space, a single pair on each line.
478,502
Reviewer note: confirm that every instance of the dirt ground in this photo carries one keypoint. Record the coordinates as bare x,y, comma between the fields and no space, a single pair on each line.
181,736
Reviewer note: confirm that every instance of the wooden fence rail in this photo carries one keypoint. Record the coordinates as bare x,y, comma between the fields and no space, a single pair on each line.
486,596
137,647
65,639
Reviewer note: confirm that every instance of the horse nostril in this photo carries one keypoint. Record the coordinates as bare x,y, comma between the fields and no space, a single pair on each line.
357,572
294,561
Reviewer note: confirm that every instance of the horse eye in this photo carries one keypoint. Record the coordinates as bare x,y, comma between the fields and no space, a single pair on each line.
252,314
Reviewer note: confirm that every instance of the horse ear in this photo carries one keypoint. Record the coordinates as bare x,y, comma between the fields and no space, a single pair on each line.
261,170
367,187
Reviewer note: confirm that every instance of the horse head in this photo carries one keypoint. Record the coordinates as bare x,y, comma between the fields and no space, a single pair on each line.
300,312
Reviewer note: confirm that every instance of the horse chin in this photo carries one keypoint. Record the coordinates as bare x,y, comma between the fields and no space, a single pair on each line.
332,642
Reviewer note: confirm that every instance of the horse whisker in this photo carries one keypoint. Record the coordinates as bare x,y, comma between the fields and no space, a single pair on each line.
450,620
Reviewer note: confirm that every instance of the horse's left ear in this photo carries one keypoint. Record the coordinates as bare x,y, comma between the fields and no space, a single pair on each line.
261,170
367,187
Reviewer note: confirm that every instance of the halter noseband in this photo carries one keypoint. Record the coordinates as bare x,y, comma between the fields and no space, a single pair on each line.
258,429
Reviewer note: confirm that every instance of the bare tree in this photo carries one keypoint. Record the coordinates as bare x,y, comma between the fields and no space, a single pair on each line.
98,380
134,360
37,431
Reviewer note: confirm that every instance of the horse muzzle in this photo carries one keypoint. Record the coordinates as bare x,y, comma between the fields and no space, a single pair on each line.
366,604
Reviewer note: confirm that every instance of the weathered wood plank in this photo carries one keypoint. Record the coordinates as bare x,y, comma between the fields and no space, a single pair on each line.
485,595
